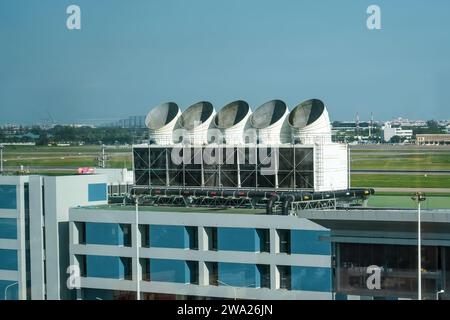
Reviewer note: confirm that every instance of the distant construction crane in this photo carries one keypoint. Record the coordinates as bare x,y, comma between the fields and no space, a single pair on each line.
50,121
357,127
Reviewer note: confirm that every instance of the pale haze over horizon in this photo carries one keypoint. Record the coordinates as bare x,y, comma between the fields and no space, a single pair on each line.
132,55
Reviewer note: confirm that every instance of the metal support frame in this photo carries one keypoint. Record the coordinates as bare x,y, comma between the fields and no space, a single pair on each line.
313,204
207,202
148,163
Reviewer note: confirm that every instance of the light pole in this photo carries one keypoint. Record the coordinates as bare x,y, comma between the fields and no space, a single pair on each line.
138,285
438,293
1,158
235,288
8,286
418,198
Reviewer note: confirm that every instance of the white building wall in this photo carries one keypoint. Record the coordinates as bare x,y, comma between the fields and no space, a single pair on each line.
62,193
116,176
37,255
331,167
389,132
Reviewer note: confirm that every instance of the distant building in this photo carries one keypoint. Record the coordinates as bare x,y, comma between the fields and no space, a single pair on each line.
408,123
131,122
389,132
423,139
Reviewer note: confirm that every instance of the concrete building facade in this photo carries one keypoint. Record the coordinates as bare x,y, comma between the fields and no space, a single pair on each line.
433,139
34,232
198,254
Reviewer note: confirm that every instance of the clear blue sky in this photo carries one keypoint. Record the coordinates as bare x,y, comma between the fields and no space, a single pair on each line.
132,55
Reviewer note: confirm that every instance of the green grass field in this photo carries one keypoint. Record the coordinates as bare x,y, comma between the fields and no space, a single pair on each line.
400,160
86,156
406,202
400,181
70,156
62,149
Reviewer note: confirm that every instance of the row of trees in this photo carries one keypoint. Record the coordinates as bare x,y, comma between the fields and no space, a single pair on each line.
75,135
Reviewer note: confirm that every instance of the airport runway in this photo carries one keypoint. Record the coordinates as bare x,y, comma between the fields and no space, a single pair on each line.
40,168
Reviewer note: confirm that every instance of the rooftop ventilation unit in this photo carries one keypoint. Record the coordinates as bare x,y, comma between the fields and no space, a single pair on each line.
232,121
161,121
310,123
196,121
270,121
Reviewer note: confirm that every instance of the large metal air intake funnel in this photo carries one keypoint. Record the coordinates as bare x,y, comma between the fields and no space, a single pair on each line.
310,123
270,121
196,121
232,121
161,121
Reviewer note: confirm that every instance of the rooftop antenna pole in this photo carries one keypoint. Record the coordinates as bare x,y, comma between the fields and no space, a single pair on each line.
102,158
418,198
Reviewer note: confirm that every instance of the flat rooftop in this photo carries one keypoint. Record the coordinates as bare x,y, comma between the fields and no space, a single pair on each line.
379,204
371,223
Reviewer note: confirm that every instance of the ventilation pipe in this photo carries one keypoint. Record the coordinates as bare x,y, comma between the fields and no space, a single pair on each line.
310,123
232,121
270,121
161,121
196,120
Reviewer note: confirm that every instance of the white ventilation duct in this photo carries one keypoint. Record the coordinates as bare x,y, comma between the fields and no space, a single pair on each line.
196,120
232,121
161,121
270,121
310,123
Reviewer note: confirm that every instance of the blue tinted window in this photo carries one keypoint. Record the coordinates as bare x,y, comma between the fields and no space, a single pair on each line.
239,275
162,236
8,259
8,197
97,192
9,290
311,279
238,239
8,228
105,267
106,233
166,270
340,296
310,242
104,294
